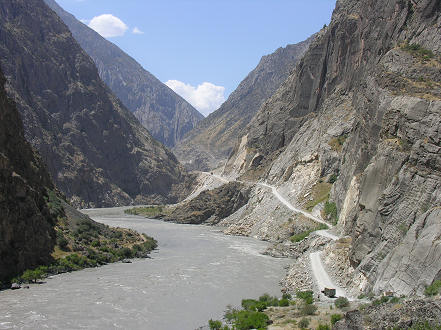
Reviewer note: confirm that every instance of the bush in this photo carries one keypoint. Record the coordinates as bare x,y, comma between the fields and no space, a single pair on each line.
332,178
303,323
341,302
433,289
380,301
335,318
323,327
215,325
309,309
244,320
33,275
306,296
287,296
253,305
283,302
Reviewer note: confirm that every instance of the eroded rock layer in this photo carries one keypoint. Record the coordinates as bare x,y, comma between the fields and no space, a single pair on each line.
362,111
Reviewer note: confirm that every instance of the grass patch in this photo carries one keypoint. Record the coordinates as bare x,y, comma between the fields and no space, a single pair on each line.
148,211
330,212
336,143
300,237
418,51
319,194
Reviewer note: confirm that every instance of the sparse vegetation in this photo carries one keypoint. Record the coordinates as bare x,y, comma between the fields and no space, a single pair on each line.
335,318
304,323
301,236
330,212
336,143
319,193
341,302
418,51
433,289
148,211
308,309
333,178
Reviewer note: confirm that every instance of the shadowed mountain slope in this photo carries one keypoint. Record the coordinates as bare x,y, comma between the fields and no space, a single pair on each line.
166,115
96,151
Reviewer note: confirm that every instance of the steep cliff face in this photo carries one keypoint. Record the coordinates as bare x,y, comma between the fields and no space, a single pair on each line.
96,151
166,115
362,110
27,236
210,143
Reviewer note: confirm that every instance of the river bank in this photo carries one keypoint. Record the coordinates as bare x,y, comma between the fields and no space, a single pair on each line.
193,275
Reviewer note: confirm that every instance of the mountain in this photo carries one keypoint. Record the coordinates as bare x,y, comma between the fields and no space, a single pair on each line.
96,152
26,225
166,115
210,143
355,132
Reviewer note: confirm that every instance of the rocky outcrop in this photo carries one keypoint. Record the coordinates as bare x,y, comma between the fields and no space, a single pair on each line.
211,206
362,111
96,151
27,236
210,143
166,115
408,314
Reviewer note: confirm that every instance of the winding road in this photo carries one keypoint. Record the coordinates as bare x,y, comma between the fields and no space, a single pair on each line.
322,278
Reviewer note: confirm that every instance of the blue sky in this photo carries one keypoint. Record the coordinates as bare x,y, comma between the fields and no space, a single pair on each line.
191,42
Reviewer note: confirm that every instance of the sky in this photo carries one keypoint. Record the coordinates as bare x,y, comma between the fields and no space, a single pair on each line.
202,49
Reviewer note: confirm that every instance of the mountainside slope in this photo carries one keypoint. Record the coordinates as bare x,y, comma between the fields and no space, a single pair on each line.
362,111
166,115
210,143
96,151
27,236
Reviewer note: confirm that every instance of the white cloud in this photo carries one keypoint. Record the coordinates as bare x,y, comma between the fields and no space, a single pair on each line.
207,97
108,26
137,31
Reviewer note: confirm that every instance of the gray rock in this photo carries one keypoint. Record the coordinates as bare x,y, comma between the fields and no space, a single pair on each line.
15,286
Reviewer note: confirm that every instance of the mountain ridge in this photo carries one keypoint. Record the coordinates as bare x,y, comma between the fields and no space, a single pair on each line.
166,115
96,151
209,144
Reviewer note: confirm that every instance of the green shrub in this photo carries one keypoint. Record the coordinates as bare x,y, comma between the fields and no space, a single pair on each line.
253,305
244,320
330,211
300,237
323,327
308,309
304,323
332,178
433,289
306,296
341,302
287,296
335,318
382,300
283,302
215,325
32,276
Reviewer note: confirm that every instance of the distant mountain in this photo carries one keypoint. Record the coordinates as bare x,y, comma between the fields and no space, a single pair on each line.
166,115
27,236
96,151
210,143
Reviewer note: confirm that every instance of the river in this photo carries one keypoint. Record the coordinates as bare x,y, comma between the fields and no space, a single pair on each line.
191,278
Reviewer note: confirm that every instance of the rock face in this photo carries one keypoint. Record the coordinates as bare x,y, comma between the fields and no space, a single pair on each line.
362,110
211,206
166,115
414,313
27,236
210,143
96,151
